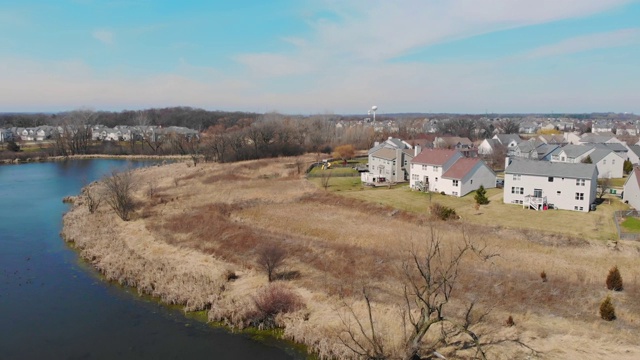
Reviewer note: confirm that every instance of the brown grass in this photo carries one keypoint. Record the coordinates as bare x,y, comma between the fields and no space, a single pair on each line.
189,238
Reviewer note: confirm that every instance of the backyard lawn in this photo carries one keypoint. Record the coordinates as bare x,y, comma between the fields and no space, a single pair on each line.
597,224
631,224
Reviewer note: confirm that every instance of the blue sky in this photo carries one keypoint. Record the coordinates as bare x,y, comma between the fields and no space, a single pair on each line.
336,56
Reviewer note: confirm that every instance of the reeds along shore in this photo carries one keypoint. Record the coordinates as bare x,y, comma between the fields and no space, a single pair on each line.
27,159
193,242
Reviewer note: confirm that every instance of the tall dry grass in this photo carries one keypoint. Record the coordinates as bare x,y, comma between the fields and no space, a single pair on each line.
188,238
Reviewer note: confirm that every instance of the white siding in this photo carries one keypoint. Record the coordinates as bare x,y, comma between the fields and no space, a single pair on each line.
632,191
561,192
610,166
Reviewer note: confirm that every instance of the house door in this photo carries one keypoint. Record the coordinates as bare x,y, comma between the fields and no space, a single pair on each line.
537,193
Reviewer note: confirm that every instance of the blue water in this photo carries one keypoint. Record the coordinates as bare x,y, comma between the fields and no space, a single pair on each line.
54,306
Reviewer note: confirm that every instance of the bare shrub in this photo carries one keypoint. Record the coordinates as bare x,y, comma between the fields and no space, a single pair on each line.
543,276
94,198
510,321
614,280
152,189
118,193
325,179
272,300
270,257
607,311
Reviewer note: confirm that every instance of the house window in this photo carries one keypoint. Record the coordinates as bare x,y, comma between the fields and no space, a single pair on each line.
562,159
455,182
436,179
550,178
517,190
435,168
579,196
604,162
424,167
559,192
613,161
581,208
580,182
471,181
454,193
516,176
575,208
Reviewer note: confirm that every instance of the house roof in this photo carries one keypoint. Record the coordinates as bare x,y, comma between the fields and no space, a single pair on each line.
594,138
635,149
636,172
385,153
526,146
546,168
461,168
507,138
617,147
397,143
454,140
599,154
434,156
545,150
573,151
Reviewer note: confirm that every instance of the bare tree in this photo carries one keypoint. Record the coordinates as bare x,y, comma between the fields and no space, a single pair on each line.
604,185
73,135
431,278
325,179
118,192
509,126
270,258
94,198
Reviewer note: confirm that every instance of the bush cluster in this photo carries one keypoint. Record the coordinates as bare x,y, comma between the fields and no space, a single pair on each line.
614,280
272,300
607,311
443,212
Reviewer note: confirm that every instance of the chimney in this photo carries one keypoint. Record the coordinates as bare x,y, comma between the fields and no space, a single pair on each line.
507,161
417,150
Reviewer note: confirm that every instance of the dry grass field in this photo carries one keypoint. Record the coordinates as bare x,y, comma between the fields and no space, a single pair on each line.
197,231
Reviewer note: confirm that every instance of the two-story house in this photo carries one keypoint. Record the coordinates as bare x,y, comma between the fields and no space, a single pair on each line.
448,171
609,163
540,185
389,161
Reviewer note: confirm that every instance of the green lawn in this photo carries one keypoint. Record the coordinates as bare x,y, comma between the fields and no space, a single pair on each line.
597,224
631,225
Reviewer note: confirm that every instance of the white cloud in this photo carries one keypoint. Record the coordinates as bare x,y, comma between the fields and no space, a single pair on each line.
588,42
104,36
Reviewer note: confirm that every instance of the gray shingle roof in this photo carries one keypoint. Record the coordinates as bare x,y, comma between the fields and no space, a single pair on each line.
545,168
573,151
599,154
635,149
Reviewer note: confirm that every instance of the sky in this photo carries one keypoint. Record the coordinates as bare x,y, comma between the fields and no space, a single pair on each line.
323,56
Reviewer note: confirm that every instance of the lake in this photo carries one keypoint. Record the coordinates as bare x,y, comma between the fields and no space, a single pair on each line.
55,306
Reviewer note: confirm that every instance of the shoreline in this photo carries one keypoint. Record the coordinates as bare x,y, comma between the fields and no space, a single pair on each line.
18,161
159,254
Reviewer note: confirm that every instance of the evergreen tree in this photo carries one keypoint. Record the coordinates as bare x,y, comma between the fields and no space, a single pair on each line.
13,146
614,279
627,167
481,196
587,160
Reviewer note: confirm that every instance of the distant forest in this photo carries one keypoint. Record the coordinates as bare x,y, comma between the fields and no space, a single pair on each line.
197,119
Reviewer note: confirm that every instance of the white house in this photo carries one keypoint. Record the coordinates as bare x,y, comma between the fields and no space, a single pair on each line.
540,184
488,146
609,163
448,171
631,192
634,154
